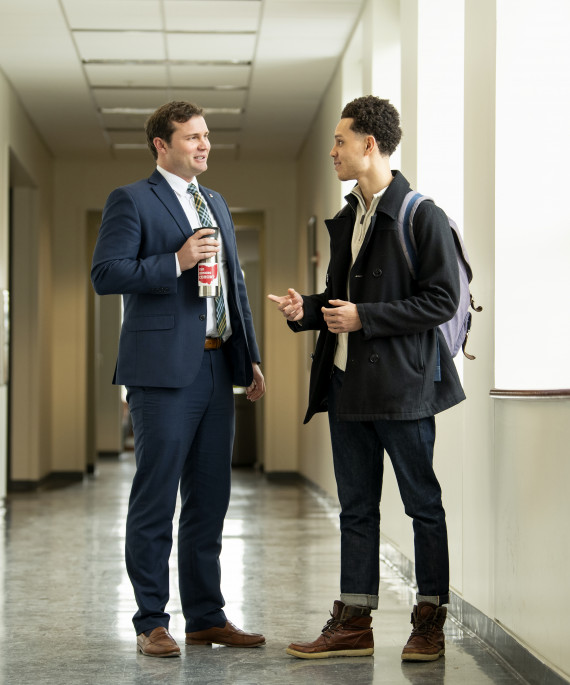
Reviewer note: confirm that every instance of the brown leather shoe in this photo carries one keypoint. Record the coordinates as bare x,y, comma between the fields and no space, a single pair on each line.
229,635
159,643
346,633
427,641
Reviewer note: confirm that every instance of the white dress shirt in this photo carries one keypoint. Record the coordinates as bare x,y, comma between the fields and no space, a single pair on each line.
180,188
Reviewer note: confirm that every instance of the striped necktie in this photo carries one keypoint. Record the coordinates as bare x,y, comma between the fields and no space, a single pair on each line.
206,221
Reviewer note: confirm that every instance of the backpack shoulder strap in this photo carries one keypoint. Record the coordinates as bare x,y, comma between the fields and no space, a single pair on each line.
405,229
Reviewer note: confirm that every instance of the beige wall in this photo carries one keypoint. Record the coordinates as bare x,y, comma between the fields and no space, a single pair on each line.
27,166
81,187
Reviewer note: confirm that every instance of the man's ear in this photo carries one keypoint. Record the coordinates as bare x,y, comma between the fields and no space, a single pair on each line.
159,144
370,144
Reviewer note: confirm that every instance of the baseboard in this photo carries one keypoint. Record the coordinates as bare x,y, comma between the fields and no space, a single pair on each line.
505,646
53,481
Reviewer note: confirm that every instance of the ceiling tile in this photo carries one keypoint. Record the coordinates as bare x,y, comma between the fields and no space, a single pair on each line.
131,98
124,121
289,20
198,76
128,45
128,75
224,137
206,15
128,137
223,121
211,98
210,47
113,14
291,48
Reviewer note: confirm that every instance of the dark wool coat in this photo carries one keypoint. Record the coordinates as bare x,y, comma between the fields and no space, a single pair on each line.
392,360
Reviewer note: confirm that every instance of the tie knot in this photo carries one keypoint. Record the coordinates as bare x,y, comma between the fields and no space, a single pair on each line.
193,189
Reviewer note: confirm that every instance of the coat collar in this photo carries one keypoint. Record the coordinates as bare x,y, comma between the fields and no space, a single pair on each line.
391,202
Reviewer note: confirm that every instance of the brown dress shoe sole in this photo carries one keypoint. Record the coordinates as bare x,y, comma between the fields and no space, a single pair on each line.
333,653
418,656
192,641
158,656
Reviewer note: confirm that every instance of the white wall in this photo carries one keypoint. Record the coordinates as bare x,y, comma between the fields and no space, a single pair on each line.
503,464
532,152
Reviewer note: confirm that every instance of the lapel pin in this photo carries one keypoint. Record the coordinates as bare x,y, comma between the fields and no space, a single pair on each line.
210,194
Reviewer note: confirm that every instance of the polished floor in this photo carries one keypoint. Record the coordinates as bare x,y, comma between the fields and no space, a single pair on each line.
66,602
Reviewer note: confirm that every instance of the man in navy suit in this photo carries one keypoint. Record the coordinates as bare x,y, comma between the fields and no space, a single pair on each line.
179,367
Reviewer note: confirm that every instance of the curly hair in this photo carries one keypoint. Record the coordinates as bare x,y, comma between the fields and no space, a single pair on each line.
160,122
375,117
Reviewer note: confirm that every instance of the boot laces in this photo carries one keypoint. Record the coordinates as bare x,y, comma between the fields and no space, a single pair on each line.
421,628
331,625
424,627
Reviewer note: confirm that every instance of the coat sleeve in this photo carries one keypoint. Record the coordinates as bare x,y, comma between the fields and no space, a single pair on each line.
118,267
437,287
313,317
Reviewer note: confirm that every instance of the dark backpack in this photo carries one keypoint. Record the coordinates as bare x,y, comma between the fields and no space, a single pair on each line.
456,330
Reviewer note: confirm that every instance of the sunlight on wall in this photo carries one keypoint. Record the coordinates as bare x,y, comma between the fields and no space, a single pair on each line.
532,175
440,157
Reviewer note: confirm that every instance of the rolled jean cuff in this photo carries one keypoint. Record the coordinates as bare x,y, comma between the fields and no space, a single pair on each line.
438,600
370,601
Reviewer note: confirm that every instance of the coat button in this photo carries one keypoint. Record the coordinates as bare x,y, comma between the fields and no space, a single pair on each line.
373,358
377,272
202,317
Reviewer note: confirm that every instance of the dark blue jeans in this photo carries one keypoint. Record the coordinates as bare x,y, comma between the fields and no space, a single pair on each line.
358,454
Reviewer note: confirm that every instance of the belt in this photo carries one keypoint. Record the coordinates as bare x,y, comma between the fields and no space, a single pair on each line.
212,343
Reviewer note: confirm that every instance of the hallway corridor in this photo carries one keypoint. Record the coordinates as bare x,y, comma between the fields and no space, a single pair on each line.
66,602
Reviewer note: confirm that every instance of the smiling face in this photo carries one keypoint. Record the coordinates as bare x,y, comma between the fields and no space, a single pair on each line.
186,155
349,152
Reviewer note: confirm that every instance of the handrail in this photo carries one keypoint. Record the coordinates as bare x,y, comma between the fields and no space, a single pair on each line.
561,394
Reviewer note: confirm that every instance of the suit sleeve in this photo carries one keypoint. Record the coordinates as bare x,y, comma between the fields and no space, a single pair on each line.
437,296
118,267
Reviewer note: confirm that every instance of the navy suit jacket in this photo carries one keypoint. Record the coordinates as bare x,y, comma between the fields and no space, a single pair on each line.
164,324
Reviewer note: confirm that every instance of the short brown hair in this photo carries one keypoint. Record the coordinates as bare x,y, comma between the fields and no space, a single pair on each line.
375,117
160,123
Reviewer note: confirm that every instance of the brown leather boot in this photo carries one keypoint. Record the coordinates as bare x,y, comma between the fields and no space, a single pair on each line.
427,641
346,633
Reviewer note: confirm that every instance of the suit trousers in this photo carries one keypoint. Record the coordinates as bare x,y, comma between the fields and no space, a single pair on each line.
183,437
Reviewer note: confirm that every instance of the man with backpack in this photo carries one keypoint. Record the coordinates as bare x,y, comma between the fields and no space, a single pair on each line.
382,370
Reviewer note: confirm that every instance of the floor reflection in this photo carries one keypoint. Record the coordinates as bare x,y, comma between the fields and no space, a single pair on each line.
66,602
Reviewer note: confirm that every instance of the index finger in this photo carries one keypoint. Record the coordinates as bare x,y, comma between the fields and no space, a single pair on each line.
203,232
275,298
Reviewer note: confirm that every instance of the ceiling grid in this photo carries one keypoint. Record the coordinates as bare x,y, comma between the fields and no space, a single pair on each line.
258,68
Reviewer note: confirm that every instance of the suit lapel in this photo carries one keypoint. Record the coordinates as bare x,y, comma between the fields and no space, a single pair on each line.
219,213
167,196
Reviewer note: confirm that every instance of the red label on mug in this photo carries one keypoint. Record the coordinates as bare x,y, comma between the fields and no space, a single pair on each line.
207,274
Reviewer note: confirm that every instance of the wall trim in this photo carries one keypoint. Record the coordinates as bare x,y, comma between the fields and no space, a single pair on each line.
561,394
54,480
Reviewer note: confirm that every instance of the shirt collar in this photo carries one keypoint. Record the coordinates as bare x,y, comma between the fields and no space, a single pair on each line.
179,185
375,198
